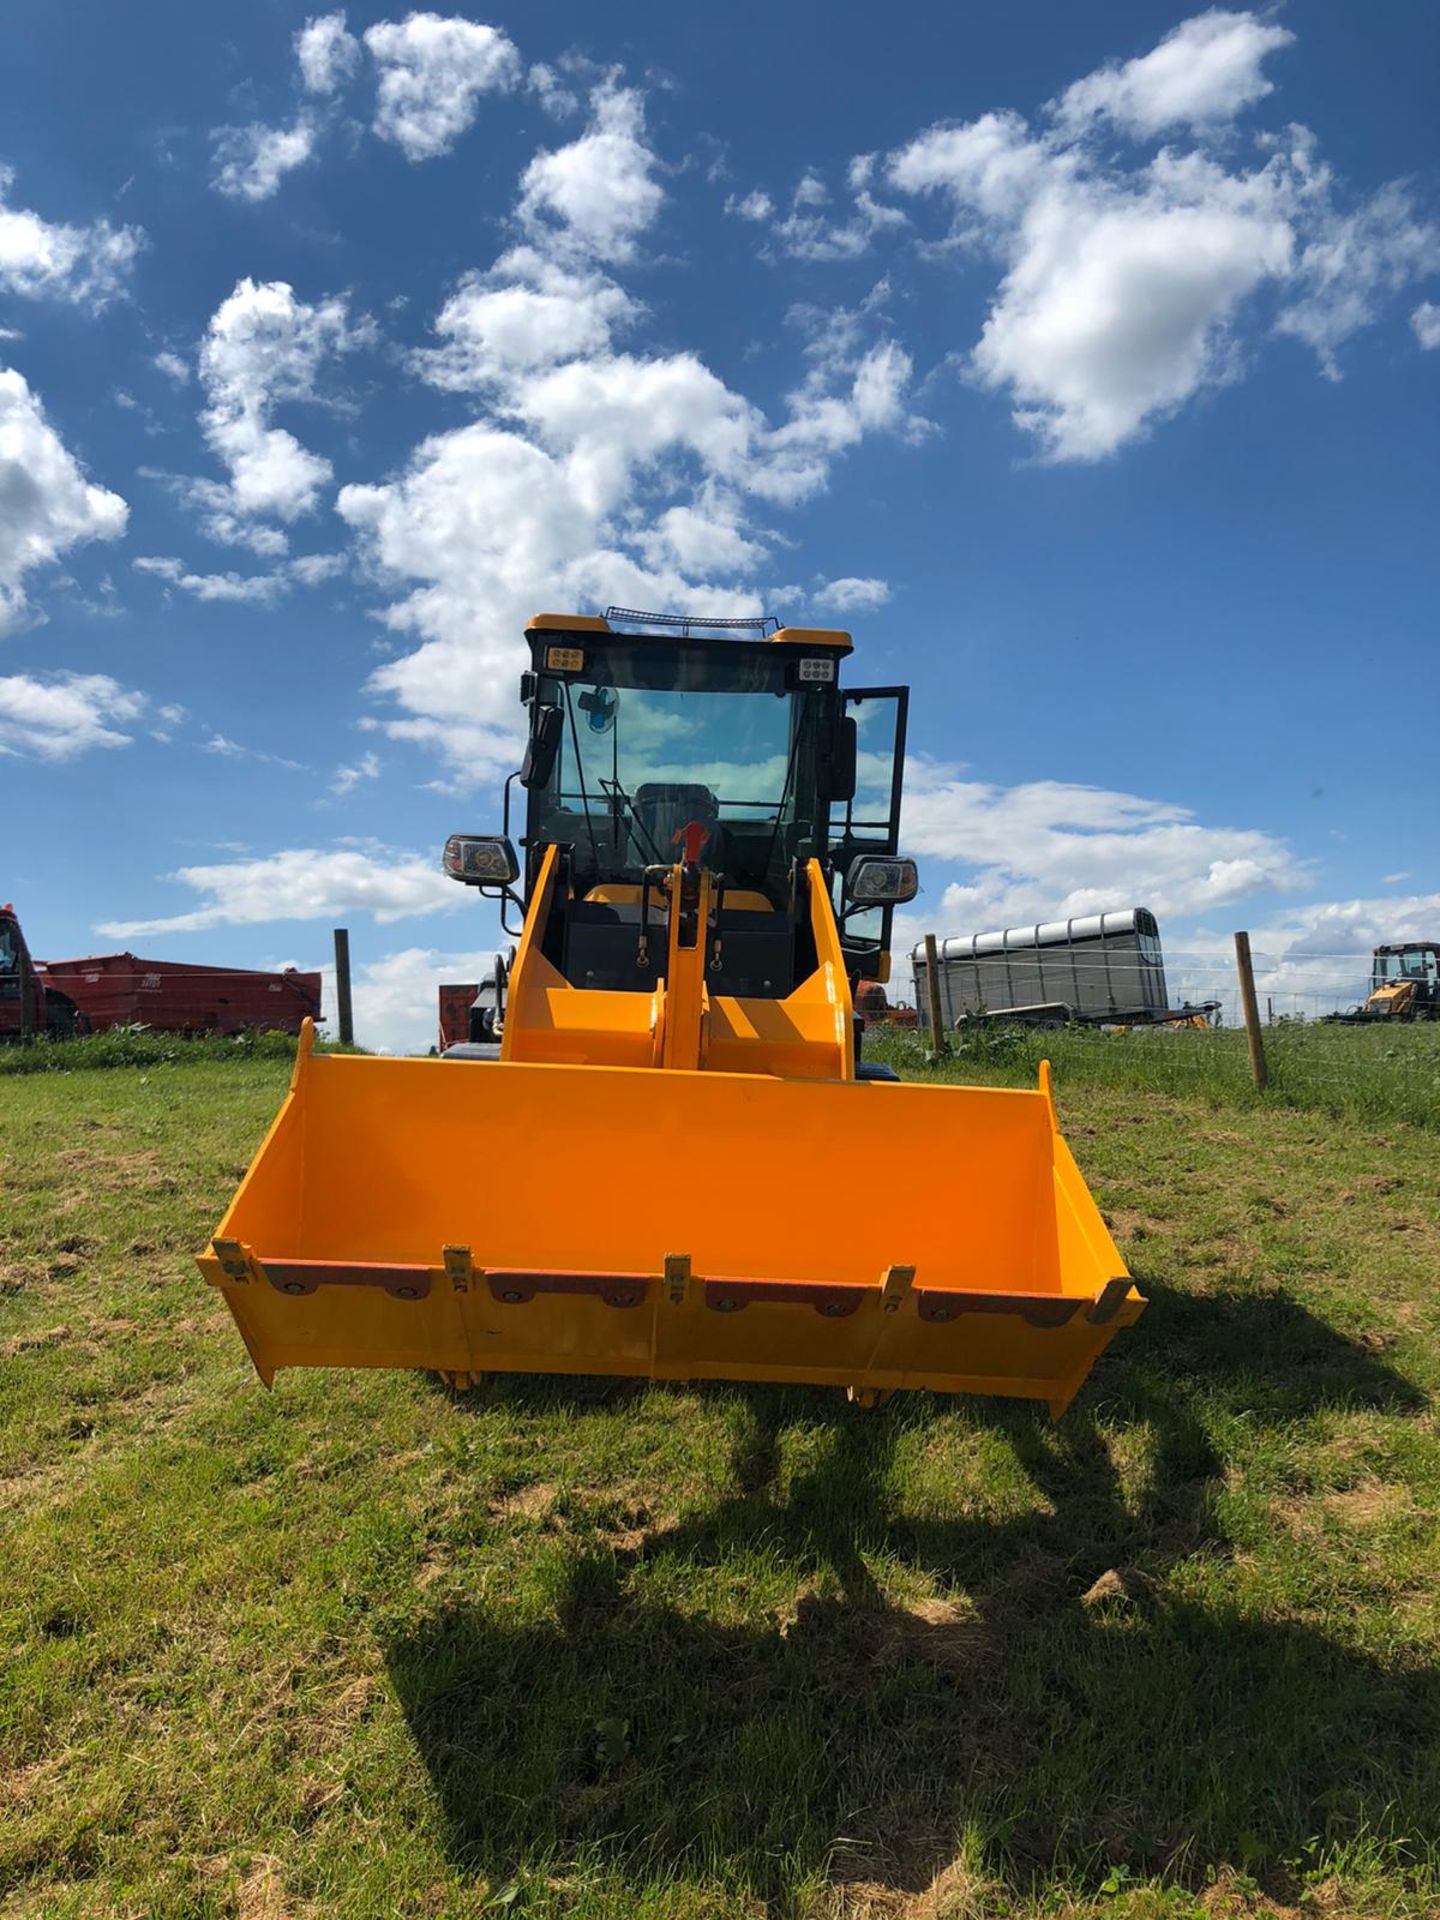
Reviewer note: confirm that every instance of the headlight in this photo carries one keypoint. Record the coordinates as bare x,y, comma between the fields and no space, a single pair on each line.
881,881
481,859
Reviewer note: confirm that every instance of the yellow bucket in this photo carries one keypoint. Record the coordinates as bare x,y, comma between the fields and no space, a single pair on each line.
478,1217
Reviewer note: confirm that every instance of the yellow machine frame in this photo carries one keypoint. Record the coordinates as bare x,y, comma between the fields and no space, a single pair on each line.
675,1184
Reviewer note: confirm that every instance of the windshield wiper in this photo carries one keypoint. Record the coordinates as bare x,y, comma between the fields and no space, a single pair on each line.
784,796
580,776
614,791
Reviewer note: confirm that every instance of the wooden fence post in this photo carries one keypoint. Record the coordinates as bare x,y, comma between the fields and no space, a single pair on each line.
342,987
938,1047
1252,1010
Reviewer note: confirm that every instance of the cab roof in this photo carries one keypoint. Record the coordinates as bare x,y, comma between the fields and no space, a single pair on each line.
675,627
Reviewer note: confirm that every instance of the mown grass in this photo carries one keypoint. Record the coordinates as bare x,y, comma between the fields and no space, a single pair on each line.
1368,1073
362,1647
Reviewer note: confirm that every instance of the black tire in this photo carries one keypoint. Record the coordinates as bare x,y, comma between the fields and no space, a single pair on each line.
63,1019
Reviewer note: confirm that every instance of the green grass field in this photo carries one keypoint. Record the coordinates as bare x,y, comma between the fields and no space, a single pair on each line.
364,1648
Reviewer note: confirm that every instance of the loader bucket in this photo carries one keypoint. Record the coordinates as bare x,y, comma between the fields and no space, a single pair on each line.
535,1218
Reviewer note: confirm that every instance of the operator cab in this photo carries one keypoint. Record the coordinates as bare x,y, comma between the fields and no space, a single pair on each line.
728,746
1419,960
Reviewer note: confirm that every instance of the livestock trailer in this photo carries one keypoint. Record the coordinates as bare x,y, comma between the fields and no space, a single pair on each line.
1104,968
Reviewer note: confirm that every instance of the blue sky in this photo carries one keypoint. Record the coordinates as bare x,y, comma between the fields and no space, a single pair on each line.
1083,361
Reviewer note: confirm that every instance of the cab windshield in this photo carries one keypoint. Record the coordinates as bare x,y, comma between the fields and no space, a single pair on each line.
651,745
1413,964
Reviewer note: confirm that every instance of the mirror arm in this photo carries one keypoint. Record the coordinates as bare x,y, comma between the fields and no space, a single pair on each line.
509,897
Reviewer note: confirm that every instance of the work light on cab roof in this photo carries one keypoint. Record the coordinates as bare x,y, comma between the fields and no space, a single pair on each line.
634,1171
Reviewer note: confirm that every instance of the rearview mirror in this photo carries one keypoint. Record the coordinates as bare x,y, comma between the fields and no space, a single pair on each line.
881,880
544,744
481,860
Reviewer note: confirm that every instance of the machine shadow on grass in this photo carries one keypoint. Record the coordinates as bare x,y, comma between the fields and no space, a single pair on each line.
1160,1731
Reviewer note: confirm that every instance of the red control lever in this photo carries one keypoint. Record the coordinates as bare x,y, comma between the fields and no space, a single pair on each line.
694,837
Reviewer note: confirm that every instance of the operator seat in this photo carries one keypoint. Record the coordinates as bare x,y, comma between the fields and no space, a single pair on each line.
663,809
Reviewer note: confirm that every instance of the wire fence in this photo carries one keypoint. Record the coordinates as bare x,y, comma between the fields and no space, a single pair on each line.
1380,1070
1377,1076
1289,986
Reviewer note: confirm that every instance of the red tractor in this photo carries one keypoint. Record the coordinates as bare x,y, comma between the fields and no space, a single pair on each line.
29,1005
875,1010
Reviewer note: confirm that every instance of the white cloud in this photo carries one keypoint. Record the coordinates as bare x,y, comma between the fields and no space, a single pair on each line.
614,412
46,503
1425,323
1350,262
756,206
493,519
1200,75
228,749
265,347
706,537
220,521
527,312
811,232
991,166
327,55
432,74
304,883
1048,850
346,779
173,366
251,161
396,997
493,524
590,476
88,265
270,472
1120,294
253,589
164,722
57,715
840,401
852,594
315,569
596,195
1332,928
1116,311
554,96
1124,285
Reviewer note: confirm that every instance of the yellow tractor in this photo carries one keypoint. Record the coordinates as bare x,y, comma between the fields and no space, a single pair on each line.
1404,982
672,1163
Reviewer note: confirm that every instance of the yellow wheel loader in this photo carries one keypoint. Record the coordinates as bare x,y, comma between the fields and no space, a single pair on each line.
1404,983
672,1164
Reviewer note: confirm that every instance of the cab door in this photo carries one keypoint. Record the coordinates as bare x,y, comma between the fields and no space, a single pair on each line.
869,822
